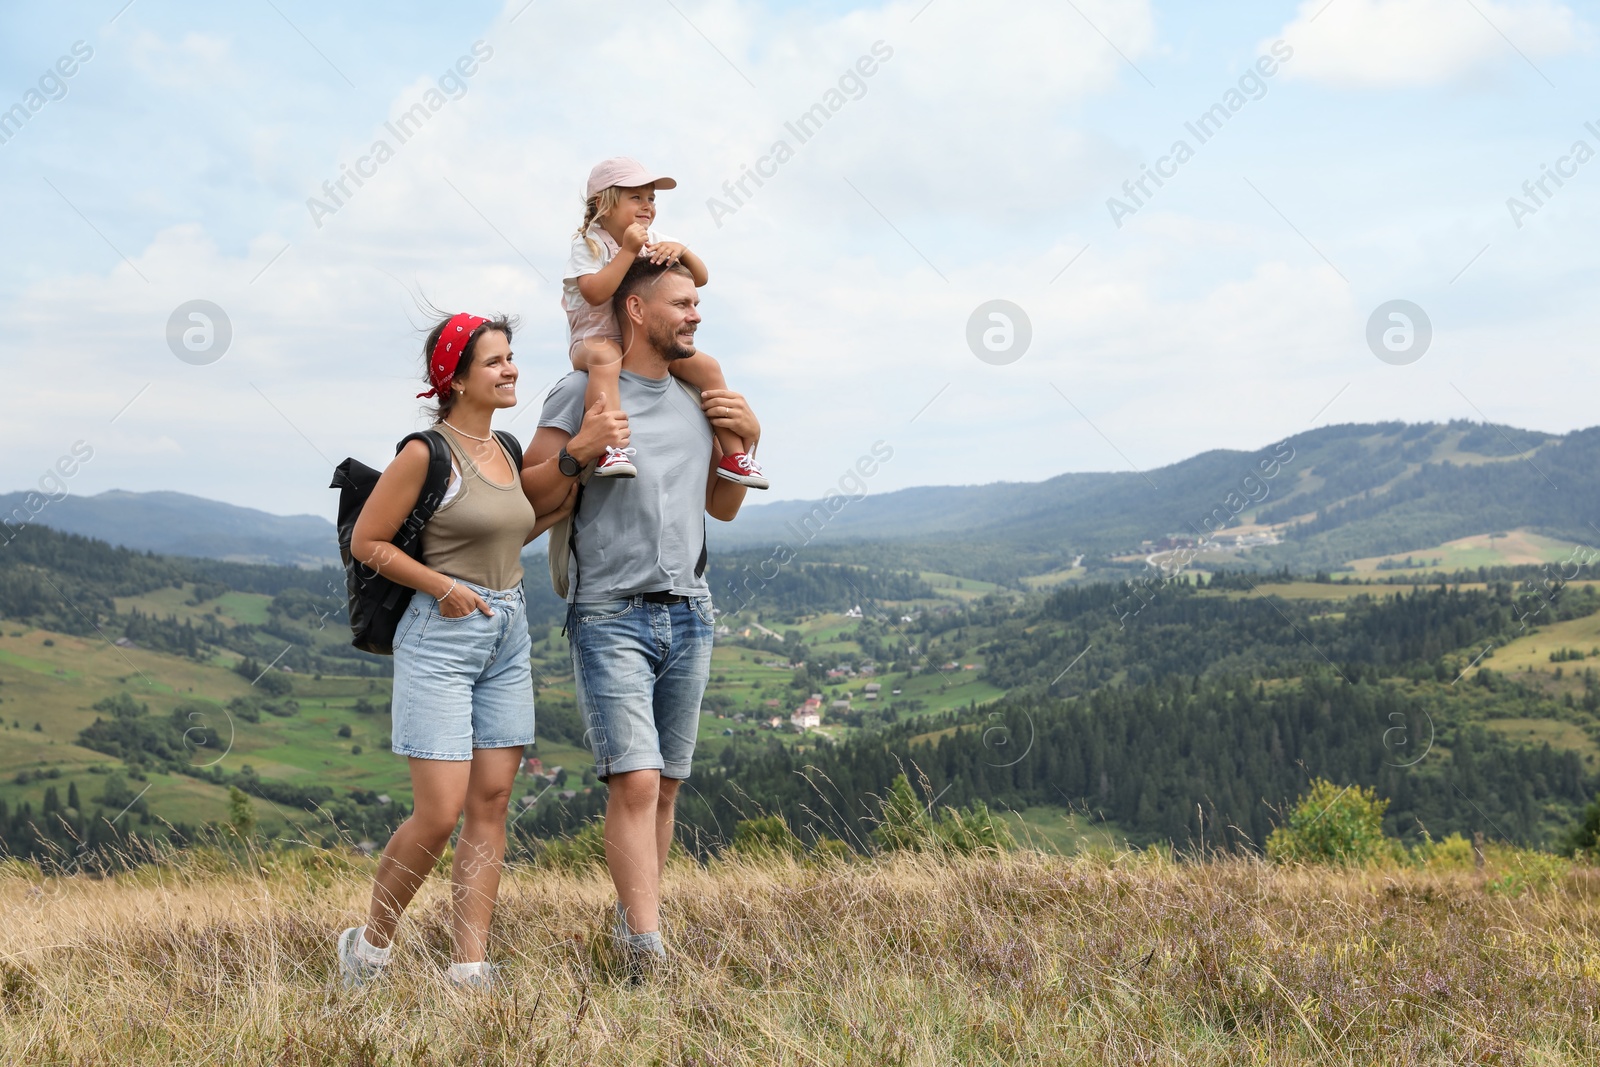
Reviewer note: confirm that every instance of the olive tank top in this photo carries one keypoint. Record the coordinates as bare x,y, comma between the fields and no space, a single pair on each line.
478,534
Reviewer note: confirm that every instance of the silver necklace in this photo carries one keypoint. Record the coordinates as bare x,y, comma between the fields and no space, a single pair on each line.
464,433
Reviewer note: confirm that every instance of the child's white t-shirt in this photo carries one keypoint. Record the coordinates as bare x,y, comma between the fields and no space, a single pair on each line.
585,319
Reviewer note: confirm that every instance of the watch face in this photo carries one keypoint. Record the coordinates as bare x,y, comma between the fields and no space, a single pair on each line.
568,464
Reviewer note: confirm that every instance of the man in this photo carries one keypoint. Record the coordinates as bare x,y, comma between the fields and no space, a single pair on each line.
639,622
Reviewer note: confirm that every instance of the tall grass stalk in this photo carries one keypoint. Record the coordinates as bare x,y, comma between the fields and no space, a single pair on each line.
916,958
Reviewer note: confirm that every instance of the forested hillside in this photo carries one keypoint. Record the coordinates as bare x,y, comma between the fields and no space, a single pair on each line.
1207,710
146,696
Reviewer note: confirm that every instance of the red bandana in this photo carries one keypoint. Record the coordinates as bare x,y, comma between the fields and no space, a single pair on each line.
449,350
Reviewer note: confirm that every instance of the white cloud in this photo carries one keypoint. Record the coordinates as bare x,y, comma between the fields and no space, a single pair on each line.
1184,332
197,61
1386,43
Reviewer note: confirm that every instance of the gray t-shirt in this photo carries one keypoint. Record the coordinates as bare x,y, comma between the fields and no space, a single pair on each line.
643,534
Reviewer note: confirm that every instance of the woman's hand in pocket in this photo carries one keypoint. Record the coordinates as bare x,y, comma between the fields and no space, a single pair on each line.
461,602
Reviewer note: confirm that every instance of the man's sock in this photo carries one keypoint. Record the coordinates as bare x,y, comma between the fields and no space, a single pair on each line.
647,943
370,953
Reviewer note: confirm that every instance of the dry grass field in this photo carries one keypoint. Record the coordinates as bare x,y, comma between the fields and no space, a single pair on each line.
1021,958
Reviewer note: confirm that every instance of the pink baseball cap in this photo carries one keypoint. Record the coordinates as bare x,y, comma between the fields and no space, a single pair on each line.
630,173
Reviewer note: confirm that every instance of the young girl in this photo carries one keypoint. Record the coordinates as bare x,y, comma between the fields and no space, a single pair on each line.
620,205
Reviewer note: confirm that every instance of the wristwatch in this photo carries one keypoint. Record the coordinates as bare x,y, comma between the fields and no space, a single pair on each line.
568,463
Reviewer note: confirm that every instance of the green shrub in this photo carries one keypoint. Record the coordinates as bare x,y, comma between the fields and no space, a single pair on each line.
974,829
831,850
906,824
1333,824
1522,869
241,815
274,684
1454,853
583,850
245,709
765,838
1583,839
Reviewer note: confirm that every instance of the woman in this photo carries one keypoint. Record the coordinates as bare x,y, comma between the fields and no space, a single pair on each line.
463,689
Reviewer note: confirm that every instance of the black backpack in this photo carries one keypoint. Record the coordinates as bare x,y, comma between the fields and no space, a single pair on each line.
376,603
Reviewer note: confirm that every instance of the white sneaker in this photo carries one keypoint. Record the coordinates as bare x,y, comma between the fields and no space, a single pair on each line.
617,464
354,970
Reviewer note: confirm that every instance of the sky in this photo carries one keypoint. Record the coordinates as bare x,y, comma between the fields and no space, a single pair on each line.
1315,163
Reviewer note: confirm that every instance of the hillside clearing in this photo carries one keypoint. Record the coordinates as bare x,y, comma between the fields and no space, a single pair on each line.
1021,958
1501,549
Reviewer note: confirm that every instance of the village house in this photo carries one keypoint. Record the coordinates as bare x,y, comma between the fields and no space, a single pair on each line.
808,714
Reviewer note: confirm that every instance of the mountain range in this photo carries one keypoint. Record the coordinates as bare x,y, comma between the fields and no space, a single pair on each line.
1318,499
179,524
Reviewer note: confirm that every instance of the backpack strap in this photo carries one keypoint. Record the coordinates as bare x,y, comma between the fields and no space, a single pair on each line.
700,564
433,486
409,537
514,447
562,545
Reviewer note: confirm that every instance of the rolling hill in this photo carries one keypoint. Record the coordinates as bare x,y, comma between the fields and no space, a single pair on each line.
1331,495
1324,499
178,524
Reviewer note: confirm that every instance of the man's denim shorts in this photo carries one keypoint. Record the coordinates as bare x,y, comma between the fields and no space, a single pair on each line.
641,669
466,683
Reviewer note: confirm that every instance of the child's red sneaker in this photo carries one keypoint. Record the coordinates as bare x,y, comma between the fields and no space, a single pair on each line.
739,467
616,464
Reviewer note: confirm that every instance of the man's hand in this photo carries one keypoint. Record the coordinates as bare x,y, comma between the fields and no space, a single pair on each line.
728,410
601,428
668,252
634,238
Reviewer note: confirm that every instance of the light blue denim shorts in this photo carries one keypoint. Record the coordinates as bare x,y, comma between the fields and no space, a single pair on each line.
461,684
641,669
